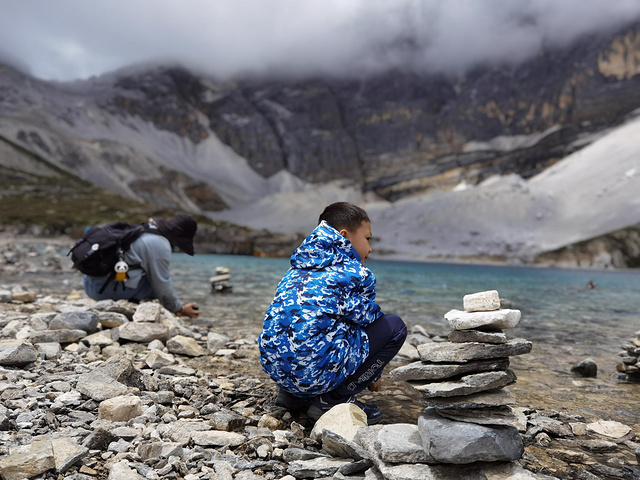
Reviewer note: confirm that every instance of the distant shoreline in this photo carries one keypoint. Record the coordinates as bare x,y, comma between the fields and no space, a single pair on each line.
61,240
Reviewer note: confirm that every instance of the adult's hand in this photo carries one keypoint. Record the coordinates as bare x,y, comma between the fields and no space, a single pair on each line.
188,310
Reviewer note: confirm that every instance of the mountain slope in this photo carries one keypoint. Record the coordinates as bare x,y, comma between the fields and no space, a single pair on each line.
447,167
589,193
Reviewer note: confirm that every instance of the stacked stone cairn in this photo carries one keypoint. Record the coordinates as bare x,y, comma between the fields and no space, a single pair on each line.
469,416
220,282
629,368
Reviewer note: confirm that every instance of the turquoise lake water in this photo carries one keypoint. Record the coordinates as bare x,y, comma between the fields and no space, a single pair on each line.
556,305
566,321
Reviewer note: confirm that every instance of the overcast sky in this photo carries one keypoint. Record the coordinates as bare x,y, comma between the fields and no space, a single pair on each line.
69,39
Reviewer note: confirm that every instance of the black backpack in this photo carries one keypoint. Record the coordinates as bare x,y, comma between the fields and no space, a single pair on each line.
97,253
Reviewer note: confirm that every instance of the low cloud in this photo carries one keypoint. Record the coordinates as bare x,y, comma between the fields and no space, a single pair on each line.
69,39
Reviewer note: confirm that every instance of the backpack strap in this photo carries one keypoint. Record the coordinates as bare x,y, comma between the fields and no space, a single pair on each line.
148,228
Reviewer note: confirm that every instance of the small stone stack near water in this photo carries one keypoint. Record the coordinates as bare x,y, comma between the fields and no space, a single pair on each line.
629,368
468,416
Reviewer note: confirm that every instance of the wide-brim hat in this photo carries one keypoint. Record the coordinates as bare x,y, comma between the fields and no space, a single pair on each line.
179,230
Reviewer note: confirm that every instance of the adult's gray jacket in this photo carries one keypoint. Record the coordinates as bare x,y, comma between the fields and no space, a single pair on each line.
153,254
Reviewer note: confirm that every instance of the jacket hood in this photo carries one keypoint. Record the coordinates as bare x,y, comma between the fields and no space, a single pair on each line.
323,247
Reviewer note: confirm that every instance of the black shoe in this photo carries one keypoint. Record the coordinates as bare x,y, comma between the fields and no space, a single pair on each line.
320,406
291,402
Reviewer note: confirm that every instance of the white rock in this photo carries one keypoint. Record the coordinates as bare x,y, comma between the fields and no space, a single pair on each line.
409,351
217,438
223,352
49,350
609,428
482,301
112,319
182,345
103,338
147,312
216,341
144,332
345,419
156,345
73,397
35,459
157,359
120,409
122,471
66,453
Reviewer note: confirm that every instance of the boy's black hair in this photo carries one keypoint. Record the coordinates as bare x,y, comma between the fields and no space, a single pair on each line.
344,215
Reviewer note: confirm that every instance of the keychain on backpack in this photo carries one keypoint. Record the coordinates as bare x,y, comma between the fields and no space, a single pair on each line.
121,268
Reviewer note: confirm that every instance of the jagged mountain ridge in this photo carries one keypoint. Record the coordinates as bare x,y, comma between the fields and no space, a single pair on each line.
168,136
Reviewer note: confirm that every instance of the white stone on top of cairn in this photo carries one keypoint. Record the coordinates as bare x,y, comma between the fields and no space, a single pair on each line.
482,301
497,319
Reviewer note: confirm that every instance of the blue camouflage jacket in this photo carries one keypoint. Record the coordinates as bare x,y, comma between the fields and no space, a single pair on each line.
313,336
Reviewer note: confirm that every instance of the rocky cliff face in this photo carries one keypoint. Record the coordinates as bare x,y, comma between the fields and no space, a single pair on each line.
403,133
619,249
176,139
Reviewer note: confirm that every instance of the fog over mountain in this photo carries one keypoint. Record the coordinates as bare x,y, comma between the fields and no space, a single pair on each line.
282,107
70,39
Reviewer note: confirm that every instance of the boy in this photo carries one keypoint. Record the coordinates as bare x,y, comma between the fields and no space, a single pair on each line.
324,338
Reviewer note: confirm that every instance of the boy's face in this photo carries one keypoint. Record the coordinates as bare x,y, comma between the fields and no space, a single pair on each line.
360,239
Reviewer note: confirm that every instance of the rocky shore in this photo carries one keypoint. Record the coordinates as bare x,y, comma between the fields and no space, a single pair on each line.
113,390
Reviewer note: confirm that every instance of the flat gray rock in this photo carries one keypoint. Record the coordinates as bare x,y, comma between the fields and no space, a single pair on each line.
367,437
477,382
482,416
498,319
338,446
217,438
87,321
57,336
66,453
292,454
112,319
438,371
401,443
33,460
464,352
491,398
17,353
448,441
461,336
316,467
180,431
144,332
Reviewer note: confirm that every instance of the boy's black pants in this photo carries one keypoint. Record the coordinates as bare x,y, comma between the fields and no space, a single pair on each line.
386,336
